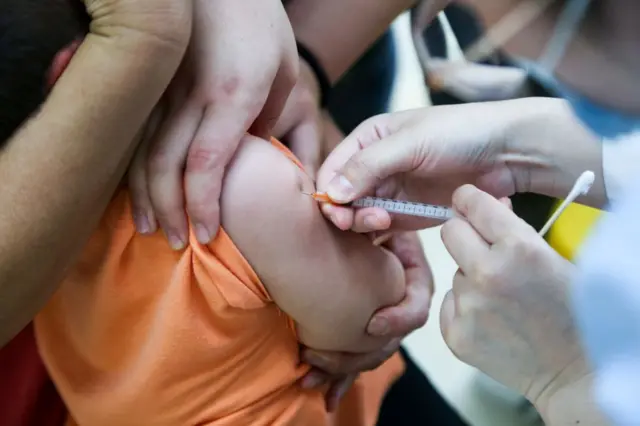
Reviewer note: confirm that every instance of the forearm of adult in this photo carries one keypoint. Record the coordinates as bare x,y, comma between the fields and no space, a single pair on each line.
338,32
61,168
549,149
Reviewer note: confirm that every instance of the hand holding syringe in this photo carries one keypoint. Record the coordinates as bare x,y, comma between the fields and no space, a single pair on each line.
430,211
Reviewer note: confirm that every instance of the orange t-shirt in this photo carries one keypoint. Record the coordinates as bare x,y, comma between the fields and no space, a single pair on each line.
141,335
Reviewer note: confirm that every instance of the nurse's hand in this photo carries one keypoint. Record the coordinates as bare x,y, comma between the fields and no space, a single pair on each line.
241,66
419,155
508,313
525,145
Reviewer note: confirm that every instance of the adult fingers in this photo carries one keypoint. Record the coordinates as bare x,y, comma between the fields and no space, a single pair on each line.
166,163
368,167
340,364
342,217
338,390
371,219
491,218
281,88
507,202
315,378
305,141
213,147
366,134
448,315
412,312
464,244
377,219
143,216
333,135
142,208
331,363
457,320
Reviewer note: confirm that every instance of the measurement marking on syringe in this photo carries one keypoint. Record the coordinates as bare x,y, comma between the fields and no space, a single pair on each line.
405,207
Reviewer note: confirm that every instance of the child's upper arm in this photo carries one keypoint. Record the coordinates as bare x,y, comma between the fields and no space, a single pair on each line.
329,281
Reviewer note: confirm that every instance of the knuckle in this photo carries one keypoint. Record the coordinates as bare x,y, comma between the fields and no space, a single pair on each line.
222,88
205,159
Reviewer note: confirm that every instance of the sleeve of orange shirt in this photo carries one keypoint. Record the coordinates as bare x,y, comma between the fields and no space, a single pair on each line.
330,282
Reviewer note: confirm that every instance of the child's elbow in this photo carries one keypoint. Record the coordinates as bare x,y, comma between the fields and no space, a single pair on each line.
345,323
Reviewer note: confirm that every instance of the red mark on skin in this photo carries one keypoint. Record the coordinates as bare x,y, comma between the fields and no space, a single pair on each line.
230,86
203,160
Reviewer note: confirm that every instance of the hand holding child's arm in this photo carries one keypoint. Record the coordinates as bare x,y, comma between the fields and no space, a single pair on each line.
342,368
240,68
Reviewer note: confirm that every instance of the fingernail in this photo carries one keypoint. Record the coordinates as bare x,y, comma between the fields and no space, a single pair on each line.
175,241
142,222
202,234
341,190
378,327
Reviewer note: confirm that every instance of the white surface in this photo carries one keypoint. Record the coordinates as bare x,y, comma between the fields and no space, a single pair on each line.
457,381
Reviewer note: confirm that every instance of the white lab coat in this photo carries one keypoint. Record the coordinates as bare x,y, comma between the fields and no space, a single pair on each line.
606,292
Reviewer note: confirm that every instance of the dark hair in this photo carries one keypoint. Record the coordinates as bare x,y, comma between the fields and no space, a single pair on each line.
32,32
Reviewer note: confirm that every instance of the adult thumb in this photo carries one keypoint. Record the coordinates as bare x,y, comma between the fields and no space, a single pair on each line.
367,168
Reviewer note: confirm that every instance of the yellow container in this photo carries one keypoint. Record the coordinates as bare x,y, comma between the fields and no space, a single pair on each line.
572,228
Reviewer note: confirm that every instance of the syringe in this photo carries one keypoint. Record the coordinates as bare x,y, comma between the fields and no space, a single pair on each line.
430,211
